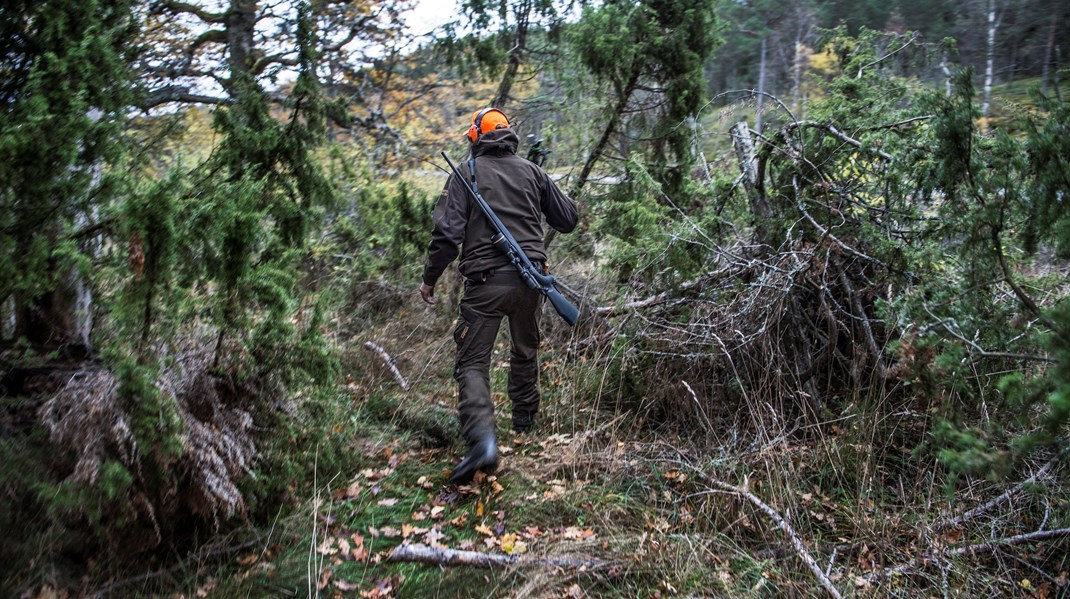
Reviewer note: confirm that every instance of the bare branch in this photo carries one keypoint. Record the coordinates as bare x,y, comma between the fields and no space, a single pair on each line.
174,6
989,505
796,541
876,62
975,549
390,364
443,556
181,94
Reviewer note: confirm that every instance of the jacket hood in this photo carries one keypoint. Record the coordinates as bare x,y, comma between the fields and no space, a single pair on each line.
498,141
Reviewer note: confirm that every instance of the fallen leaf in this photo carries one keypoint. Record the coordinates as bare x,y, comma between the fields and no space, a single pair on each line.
433,537
577,534
388,502
325,578
532,532
327,546
484,530
208,586
358,552
507,542
353,490
343,585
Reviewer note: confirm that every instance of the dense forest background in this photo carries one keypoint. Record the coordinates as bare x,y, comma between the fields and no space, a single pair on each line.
822,266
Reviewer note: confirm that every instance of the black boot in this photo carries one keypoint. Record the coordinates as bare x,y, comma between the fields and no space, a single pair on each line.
523,422
482,456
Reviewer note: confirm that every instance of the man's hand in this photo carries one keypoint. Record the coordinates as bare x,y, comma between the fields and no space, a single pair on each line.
427,293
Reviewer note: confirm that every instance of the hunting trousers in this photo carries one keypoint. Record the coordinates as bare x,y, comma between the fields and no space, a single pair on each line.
487,299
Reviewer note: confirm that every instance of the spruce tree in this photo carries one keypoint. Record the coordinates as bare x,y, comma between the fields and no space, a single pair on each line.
657,47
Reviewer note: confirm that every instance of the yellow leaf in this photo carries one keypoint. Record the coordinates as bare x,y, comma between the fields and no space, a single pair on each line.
508,541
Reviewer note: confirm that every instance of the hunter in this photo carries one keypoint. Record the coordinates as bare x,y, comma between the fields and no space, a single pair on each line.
520,193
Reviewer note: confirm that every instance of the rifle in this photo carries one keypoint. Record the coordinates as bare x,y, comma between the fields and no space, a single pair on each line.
507,245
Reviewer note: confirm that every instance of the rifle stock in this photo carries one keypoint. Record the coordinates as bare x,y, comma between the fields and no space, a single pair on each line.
505,242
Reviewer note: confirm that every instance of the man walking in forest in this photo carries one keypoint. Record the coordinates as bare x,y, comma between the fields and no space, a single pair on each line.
520,193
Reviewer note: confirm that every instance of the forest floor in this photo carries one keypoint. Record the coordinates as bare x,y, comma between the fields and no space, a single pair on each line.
603,500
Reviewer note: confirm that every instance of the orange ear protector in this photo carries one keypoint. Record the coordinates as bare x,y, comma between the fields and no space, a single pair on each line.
476,130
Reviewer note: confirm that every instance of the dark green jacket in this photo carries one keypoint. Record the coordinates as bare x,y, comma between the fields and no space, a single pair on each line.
517,190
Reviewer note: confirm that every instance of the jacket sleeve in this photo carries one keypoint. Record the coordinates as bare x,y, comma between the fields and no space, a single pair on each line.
560,210
450,218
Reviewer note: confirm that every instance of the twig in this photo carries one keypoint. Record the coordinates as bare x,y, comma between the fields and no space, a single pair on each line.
389,363
910,41
827,232
698,404
783,525
871,341
443,556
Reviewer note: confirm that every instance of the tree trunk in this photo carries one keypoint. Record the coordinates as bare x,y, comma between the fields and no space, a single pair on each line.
241,31
523,17
748,166
1049,50
990,59
611,127
607,133
761,89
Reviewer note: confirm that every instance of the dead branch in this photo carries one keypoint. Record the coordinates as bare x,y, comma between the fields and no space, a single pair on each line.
975,549
783,525
988,506
860,313
178,93
988,546
444,556
389,363
661,298
748,166
176,7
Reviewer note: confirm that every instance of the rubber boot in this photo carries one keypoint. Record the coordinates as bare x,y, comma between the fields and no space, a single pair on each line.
482,456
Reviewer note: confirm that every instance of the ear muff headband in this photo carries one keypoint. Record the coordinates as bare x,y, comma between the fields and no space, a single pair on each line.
476,130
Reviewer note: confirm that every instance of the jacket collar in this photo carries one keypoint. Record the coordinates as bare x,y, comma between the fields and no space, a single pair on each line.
498,141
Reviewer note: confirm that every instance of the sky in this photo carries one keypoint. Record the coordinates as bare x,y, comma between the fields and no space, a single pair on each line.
428,14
